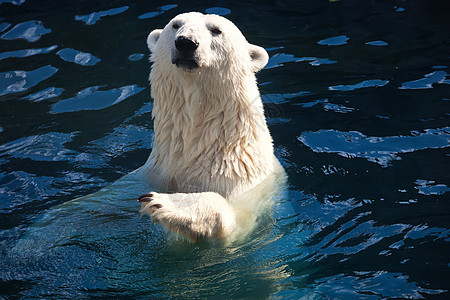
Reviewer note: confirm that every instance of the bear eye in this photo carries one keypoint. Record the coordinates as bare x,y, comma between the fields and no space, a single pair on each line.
215,31
176,26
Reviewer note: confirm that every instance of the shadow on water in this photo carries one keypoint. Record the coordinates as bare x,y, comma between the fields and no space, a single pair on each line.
356,96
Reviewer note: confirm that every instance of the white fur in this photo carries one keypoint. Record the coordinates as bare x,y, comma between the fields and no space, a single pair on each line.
212,143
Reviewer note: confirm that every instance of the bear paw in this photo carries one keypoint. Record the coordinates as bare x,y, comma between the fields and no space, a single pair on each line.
191,215
147,199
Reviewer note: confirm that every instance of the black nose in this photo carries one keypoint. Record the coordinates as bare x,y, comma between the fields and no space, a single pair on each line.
185,45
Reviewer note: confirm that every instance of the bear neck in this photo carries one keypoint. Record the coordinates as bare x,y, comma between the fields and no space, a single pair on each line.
209,127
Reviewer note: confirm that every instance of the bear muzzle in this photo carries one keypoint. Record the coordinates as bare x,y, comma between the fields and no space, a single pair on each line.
184,54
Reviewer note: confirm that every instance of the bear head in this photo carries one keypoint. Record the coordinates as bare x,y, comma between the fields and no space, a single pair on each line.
193,41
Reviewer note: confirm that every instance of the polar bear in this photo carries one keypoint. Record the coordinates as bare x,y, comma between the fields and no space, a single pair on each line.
212,153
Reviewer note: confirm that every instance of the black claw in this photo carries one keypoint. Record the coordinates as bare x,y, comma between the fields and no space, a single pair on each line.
157,206
145,198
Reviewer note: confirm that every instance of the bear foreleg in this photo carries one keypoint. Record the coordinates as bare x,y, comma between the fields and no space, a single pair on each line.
193,215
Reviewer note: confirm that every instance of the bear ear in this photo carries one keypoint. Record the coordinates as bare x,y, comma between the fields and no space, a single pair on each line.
153,38
259,57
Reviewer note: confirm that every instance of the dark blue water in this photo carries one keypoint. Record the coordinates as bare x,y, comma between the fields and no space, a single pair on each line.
357,98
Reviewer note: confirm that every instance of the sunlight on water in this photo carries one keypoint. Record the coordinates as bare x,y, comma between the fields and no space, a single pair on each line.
357,101
94,17
334,41
19,81
381,150
27,52
161,10
31,31
377,43
426,82
45,94
364,84
279,59
93,99
45,147
78,57
221,11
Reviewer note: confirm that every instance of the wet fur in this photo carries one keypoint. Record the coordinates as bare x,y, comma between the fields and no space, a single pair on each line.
212,143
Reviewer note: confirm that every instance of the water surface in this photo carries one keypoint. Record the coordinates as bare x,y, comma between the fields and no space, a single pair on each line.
357,98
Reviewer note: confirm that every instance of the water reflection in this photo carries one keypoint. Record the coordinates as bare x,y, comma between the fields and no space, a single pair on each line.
429,187
45,94
221,11
31,31
377,43
27,52
102,236
19,81
94,17
381,150
124,139
160,11
334,41
342,109
15,2
372,285
355,223
78,57
278,60
426,82
92,98
44,147
360,85
4,26
136,56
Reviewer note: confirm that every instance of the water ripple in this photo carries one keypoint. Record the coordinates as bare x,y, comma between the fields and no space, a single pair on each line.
162,10
78,57
352,238
338,108
377,43
428,187
426,82
27,52
30,31
94,17
327,106
372,285
93,99
321,213
44,147
381,150
425,231
221,11
278,59
47,93
19,81
4,26
15,2
20,187
282,98
359,227
124,139
334,41
136,56
364,84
